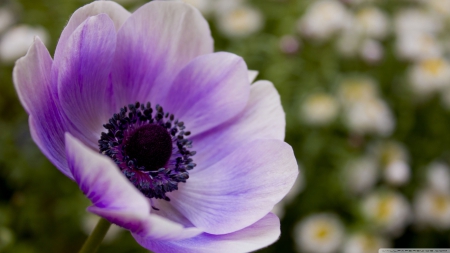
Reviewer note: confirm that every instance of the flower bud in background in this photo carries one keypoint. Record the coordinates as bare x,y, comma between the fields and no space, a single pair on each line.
371,51
289,44
319,233
319,109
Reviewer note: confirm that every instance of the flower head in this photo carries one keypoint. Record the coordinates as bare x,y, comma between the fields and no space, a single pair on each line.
319,233
166,138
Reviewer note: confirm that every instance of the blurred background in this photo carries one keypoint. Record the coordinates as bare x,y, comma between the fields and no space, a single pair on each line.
366,89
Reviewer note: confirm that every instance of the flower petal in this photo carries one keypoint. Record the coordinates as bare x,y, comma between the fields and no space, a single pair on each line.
258,235
238,190
112,195
84,87
262,118
210,90
116,12
252,74
32,77
153,45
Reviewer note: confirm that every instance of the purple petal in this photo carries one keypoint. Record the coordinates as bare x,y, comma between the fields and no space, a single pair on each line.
238,190
116,12
262,118
153,45
210,90
112,195
32,77
84,86
258,235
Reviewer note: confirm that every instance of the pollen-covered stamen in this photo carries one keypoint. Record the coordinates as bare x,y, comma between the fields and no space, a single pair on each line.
150,150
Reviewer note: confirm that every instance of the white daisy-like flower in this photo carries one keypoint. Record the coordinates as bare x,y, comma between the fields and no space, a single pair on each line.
438,177
349,42
323,19
319,233
416,21
240,21
319,109
361,174
370,116
429,75
372,22
16,41
354,90
387,211
432,208
364,243
417,46
397,172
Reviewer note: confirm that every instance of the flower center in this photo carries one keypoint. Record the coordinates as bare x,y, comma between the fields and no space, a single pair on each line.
150,148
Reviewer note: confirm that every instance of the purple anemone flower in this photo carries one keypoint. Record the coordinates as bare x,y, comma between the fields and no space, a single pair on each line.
165,137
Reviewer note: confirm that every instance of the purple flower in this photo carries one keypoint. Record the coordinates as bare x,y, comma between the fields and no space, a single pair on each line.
195,165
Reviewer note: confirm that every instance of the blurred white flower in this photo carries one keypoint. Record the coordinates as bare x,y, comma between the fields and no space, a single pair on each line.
6,237
289,44
319,233
370,116
364,243
354,90
429,75
417,46
240,21
372,22
16,41
397,172
432,208
323,19
361,174
438,7
6,18
90,221
371,51
349,42
416,21
319,109
204,6
388,211
438,177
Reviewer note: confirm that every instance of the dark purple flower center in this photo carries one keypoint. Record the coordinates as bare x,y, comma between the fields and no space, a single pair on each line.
149,147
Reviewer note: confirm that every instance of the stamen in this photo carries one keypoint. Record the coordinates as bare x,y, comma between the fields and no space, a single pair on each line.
150,150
